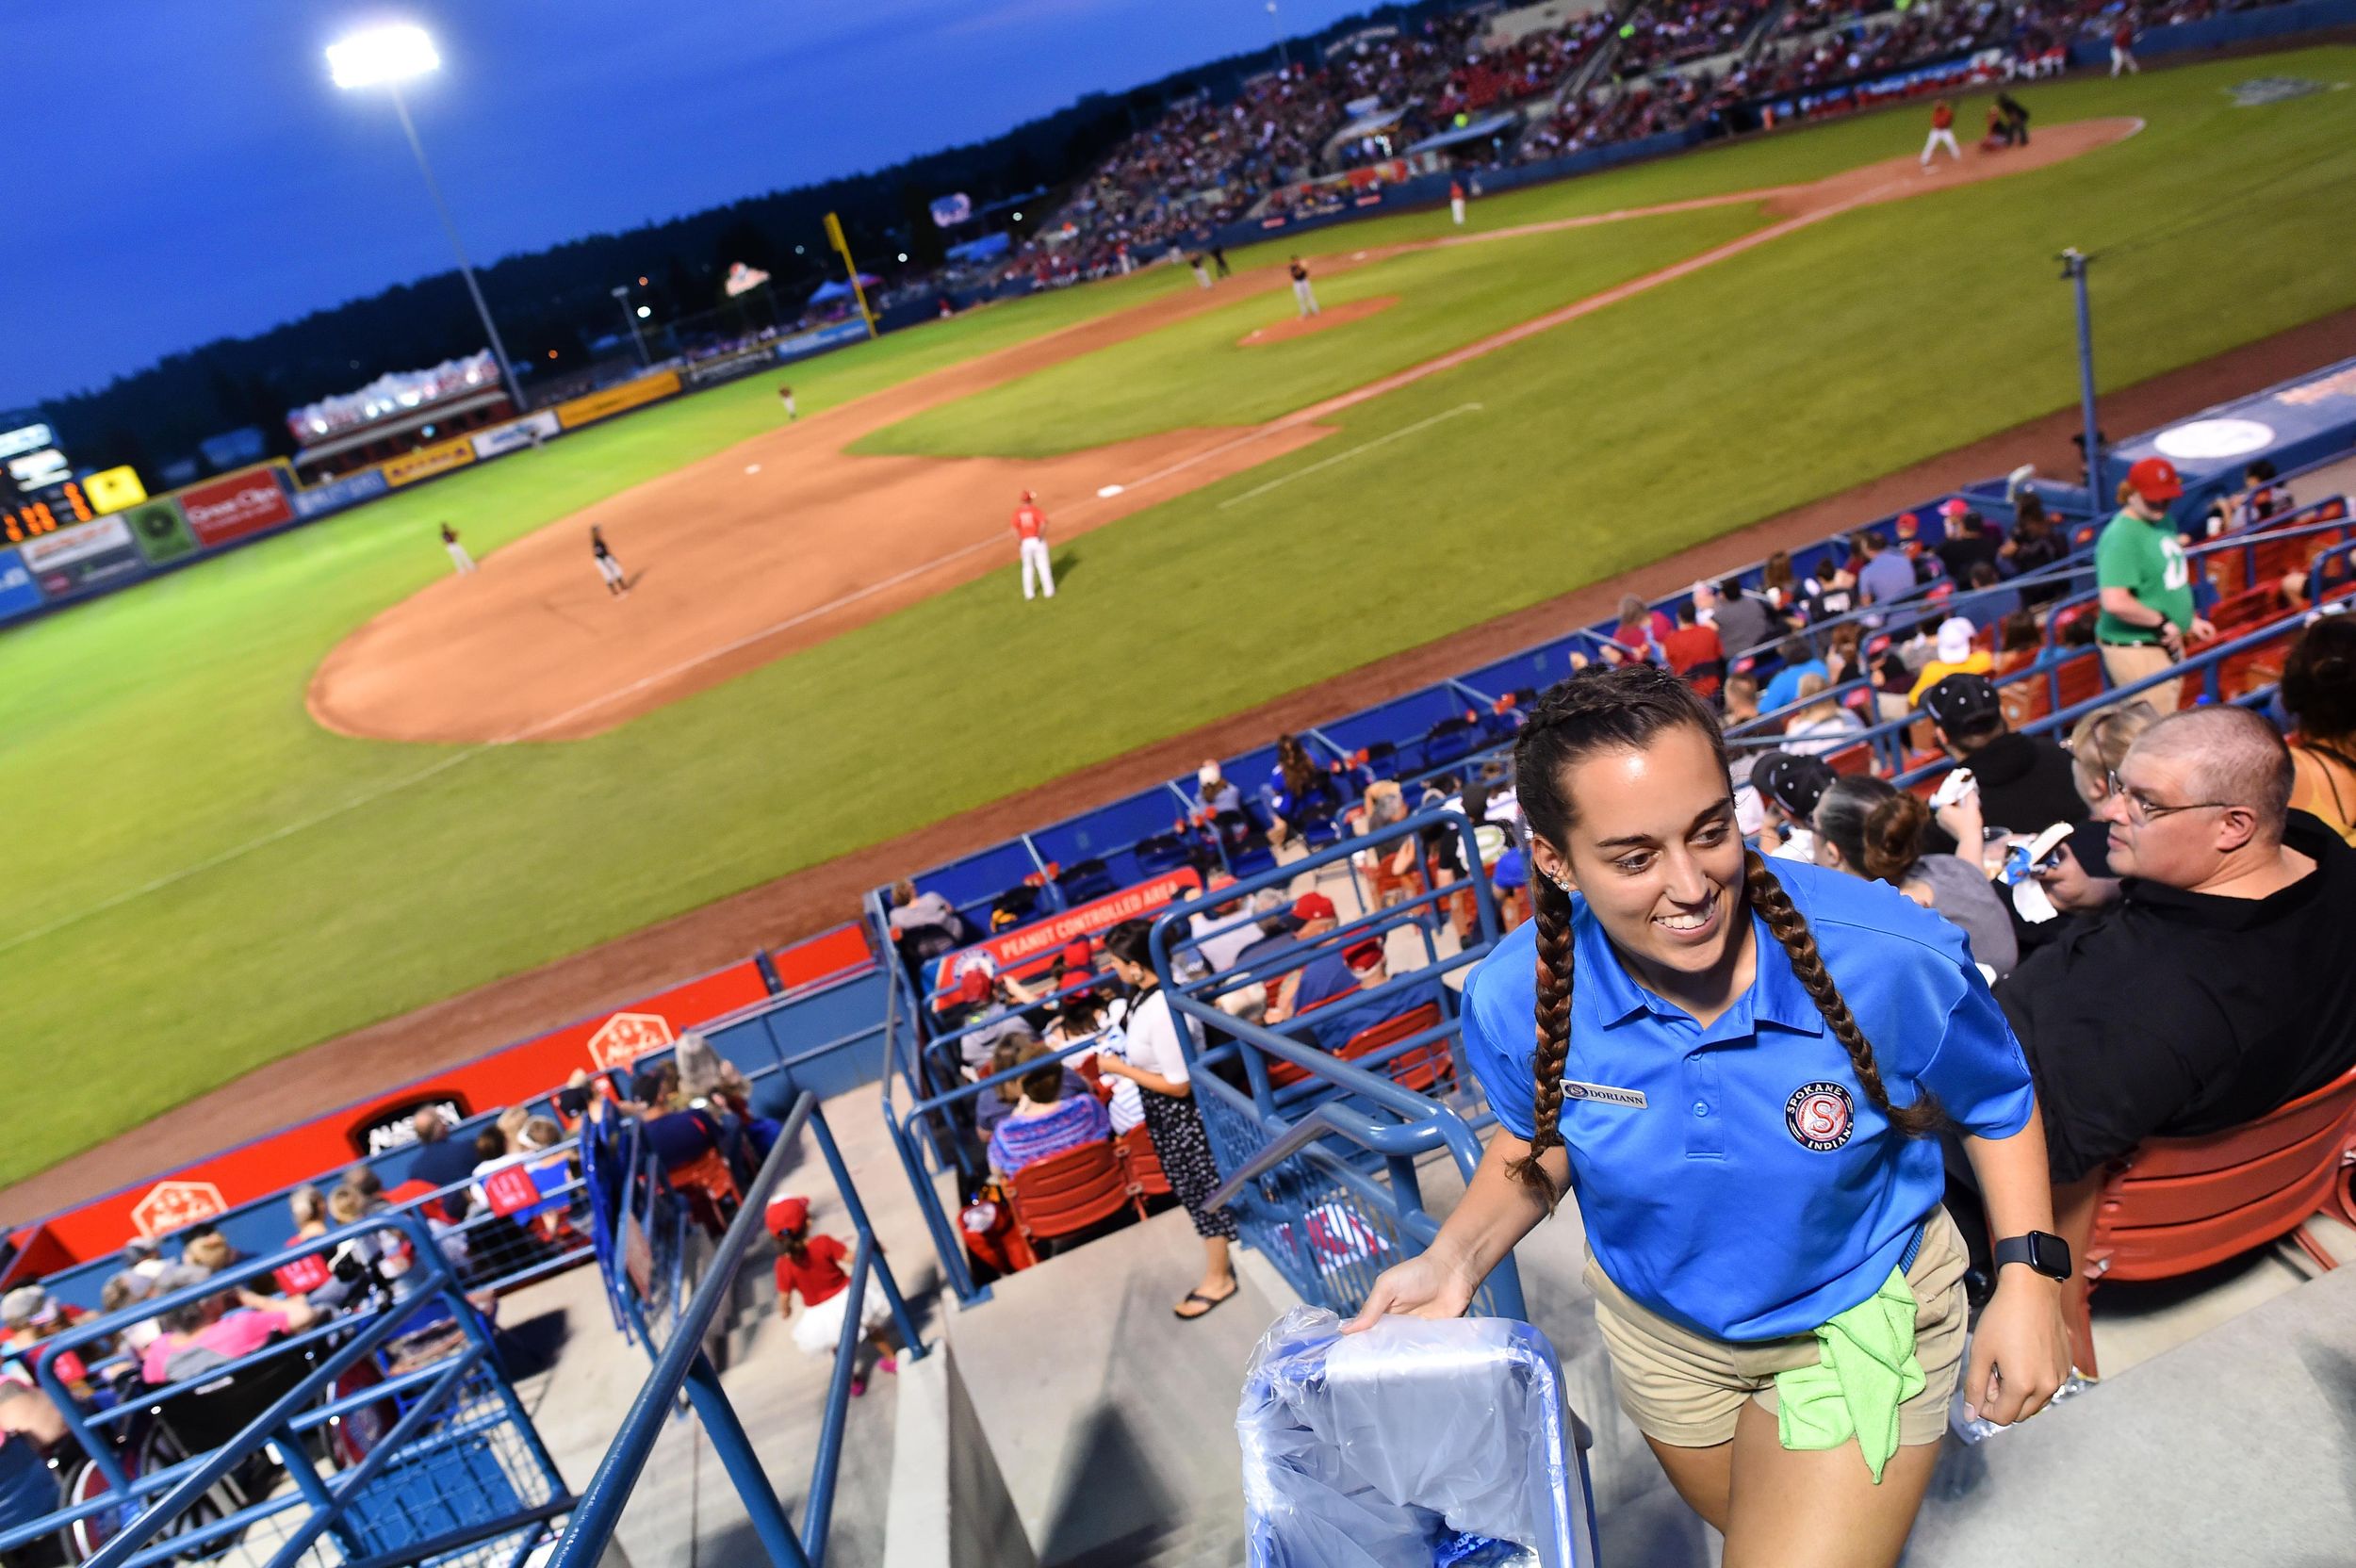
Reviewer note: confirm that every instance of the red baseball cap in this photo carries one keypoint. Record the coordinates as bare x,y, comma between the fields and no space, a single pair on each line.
1313,907
1362,956
1953,506
787,1215
973,986
1076,955
2155,479
1909,525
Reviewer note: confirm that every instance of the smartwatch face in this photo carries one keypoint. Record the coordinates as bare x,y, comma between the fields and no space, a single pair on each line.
2049,1255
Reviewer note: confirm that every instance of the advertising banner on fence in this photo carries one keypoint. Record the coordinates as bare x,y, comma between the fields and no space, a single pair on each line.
803,345
228,509
711,373
113,489
161,531
79,558
18,594
426,462
529,430
613,400
325,1144
334,495
1043,938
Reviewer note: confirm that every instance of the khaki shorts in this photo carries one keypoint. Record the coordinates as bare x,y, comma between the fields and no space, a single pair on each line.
1687,1390
2128,663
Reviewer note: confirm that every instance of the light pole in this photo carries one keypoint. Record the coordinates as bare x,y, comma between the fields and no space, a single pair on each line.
2074,271
386,57
1284,60
621,297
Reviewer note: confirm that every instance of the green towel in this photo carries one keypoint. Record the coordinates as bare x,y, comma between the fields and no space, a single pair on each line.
1867,1370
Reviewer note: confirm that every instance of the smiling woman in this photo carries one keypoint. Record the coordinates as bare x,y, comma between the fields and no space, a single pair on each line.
1738,1090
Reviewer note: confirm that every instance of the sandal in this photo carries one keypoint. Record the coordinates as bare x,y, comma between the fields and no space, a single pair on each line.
1210,1303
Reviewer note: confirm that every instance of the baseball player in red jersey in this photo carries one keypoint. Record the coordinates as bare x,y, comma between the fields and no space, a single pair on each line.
1030,526
1942,133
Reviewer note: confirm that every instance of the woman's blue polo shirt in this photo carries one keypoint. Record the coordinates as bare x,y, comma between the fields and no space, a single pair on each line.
1736,1178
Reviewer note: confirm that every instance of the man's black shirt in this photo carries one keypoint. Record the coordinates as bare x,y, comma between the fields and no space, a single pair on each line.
2179,1014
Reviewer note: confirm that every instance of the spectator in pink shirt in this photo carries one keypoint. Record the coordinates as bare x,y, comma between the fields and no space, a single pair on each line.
215,1330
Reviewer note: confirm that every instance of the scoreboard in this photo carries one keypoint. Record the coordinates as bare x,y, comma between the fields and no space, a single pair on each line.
38,493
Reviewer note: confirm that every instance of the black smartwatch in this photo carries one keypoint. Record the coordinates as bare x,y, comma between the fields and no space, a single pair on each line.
2040,1250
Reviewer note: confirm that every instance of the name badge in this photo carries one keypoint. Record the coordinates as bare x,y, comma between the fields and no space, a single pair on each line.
1574,1089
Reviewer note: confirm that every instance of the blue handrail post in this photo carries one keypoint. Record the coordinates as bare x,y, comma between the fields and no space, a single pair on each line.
900,1315
818,1510
728,1441
2074,263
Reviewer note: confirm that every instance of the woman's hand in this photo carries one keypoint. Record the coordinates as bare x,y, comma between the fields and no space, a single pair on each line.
1108,1066
1424,1286
2021,1351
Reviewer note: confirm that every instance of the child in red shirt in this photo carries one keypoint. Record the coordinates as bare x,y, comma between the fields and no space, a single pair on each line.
812,1266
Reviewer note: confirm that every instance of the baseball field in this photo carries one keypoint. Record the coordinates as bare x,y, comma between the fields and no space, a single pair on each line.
322,782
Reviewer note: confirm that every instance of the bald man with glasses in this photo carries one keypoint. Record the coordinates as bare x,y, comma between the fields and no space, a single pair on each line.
2217,985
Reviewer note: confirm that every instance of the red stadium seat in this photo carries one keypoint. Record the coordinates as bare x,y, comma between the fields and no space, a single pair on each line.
1143,1165
2080,678
1857,759
1424,1069
1069,1192
2178,1205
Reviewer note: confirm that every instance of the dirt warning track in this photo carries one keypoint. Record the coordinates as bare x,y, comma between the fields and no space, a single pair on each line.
786,539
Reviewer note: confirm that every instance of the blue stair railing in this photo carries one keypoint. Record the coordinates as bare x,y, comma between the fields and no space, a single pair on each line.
682,1366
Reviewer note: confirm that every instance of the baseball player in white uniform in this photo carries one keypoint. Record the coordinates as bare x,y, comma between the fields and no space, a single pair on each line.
1304,297
615,582
458,556
1030,526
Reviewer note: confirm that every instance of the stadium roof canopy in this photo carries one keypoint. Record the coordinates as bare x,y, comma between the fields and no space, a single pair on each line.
1474,132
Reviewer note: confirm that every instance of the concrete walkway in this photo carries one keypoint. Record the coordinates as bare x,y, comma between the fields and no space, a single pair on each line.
582,1377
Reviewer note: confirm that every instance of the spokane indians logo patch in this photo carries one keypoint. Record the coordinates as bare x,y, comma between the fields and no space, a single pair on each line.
1821,1115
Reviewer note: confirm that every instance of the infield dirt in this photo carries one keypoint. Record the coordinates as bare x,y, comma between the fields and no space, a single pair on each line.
789,539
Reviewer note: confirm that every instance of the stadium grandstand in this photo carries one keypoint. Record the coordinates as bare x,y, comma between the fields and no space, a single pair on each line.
360,1367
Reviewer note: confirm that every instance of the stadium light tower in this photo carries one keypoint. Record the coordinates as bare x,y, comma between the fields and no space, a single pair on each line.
386,57
1283,57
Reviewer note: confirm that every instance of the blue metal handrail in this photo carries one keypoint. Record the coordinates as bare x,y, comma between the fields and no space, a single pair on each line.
2207,663
682,1367
1291,1155
169,1492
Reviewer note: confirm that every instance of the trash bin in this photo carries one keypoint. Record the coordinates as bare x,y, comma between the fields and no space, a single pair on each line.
1415,1444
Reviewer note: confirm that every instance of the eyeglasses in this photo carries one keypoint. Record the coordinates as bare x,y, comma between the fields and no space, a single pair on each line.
2142,811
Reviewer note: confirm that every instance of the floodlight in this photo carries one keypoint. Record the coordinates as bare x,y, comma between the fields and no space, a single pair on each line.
382,55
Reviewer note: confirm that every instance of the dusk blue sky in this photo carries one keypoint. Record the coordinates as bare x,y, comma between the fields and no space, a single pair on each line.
183,169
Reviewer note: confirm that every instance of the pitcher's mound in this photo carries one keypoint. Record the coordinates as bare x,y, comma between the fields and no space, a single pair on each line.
1324,320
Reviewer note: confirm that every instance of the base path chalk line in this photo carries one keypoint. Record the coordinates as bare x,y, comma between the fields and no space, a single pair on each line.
1308,416
1283,479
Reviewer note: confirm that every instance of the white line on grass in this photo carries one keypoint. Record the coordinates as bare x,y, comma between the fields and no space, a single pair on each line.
1282,480
1301,417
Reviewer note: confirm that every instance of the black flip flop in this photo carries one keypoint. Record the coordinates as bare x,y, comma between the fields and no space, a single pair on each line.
1210,1304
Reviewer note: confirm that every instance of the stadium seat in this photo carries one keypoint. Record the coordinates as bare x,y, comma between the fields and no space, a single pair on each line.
2178,1205
1085,879
1066,1193
1429,1069
1162,851
1144,1167
1449,741
1857,759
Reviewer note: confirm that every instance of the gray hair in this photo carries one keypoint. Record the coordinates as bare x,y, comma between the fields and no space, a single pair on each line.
2237,758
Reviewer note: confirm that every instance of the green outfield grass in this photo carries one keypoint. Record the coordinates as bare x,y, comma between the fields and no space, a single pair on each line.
162,732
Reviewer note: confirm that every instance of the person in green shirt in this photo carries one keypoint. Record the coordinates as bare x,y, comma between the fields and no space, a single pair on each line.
2146,586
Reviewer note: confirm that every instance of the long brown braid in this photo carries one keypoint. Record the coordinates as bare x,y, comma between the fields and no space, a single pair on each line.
1626,708
1551,914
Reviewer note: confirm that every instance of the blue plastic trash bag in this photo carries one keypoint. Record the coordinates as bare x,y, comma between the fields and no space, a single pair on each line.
1415,1444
